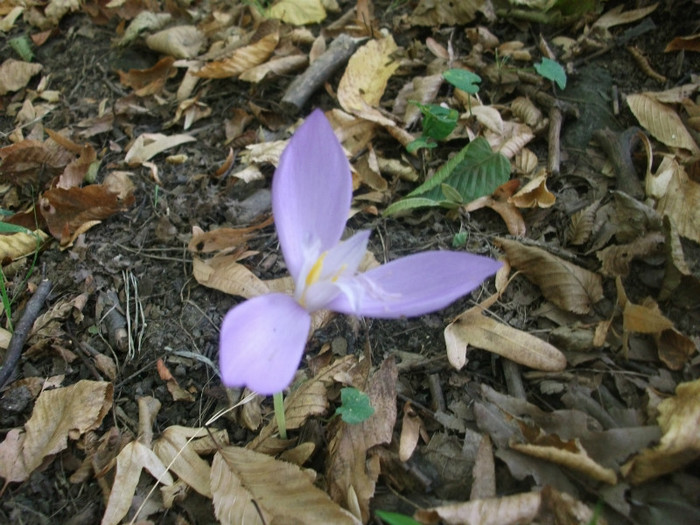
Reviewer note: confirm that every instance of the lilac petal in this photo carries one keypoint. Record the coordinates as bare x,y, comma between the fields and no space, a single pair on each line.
311,192
414,285
261,343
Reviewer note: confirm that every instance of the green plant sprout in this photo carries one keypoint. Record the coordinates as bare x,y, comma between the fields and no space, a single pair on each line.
6,228
552,70
440,121
394,518
355,406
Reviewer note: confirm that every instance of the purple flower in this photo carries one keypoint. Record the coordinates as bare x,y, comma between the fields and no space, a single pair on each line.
263,339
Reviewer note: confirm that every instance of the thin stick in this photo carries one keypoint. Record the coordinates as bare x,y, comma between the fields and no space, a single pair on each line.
317,73
24,326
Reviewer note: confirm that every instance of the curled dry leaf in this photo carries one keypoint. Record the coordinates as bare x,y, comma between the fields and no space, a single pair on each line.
262,44
222,239
275,66
679,419
473,328
149,81
253,488
410,432
567,453
534,194
616,259
568,286
58,414
421,89
148,145
20,244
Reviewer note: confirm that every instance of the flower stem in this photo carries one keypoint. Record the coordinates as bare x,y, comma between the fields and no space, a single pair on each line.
278,400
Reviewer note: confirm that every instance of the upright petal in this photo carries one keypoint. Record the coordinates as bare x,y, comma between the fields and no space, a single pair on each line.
311,191
414,285
261,343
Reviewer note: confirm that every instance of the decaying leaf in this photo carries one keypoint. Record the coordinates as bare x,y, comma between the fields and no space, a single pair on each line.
616,259
180,41
58,414
148,145
435,12
352,470
262,44
534,194
473,328
365,79
679,419
149,81
298,12
253,488
15,74
226,274
662,122
568,286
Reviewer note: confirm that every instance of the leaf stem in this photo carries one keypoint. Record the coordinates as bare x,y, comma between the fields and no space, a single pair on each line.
278,400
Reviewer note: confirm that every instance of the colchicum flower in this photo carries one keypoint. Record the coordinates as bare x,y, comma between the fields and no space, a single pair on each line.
263,339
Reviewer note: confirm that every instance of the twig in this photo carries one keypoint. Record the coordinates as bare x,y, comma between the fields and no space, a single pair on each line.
514,381
554,151
618,148
24,326
317,73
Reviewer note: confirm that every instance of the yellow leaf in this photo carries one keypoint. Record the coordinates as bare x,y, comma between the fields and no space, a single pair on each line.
298,12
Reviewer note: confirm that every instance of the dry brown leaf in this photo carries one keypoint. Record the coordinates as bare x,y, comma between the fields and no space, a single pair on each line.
351,469
179,41
534,194
15,74
420,89
568,286
177,448
473,328
582,223
58,414
499,203
526,111
662,122
263,43
678,197
298,12
364,81
69,212
20,244
435,12
32,162
222,239
616,259
484,471
410,432
149,81
567,453
148,145
675,349
644,319
616,16
253,488
687,43
226,274
276,66
679,419
134,457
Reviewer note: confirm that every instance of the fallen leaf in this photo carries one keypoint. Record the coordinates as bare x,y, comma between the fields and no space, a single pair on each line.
534,194
687,43
351,469
473,328
437,12
179,41
253,488
148,145
410,432
149,81
365,79
262,44
568,286
298,12
276,66
58,414
662,122
15,74
679,419
226,274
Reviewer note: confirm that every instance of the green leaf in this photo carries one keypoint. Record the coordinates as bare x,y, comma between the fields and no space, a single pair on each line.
463,79
552,70
23,47
6,227
451,194
420,142
459,240
394,518
355,406
474,172
410,203
438,121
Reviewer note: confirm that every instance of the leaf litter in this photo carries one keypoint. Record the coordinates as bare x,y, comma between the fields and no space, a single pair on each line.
596,304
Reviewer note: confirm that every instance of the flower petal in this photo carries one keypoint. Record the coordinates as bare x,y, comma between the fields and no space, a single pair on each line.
414,285
261,343
311,191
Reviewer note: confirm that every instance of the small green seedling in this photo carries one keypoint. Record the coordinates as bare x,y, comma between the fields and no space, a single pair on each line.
552,70
438,123
459,240
23,47
355,406
394,518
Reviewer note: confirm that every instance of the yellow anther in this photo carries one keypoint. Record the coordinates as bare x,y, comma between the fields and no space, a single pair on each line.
316,270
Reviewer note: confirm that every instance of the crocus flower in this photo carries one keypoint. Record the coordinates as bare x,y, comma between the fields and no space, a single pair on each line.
263,339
